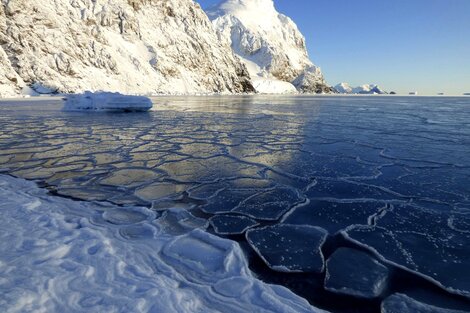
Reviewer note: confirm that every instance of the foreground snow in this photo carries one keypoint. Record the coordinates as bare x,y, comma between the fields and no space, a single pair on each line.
59,255
107,101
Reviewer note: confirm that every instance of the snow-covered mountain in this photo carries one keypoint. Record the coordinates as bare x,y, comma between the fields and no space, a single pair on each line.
367,89
130,46
270,44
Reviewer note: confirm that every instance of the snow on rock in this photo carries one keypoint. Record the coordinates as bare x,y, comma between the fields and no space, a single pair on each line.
355,273
269,43
10,83
289,248
344,88
60,255
400,303
107,101
369,89
130,46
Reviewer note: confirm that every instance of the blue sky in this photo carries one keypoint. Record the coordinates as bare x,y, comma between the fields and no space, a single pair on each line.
402,45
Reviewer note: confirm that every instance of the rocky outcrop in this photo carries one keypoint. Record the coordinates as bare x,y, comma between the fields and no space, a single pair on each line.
130,46
269,43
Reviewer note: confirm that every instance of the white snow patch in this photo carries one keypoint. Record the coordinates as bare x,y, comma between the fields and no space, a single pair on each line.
273,86
60,255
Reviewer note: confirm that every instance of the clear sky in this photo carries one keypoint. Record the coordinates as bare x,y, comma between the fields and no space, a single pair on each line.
402,45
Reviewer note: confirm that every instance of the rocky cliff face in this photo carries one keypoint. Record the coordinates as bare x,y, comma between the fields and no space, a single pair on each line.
269,43
131,46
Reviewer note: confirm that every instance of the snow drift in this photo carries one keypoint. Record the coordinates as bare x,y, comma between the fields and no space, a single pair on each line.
60,255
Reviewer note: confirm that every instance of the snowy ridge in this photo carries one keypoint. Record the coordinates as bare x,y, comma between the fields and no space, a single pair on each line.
368,89
129,46
269,43
60,255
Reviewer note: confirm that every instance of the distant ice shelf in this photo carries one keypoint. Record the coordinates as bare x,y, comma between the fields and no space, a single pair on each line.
107,101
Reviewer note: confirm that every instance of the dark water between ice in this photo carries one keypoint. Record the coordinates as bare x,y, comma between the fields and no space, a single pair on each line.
296,180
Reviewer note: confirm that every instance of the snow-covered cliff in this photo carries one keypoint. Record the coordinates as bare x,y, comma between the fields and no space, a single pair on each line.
130,46
269,43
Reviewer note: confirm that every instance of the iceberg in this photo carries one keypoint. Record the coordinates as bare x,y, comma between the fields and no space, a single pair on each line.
107,101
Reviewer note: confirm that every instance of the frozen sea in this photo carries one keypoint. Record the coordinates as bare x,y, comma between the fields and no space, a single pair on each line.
352,204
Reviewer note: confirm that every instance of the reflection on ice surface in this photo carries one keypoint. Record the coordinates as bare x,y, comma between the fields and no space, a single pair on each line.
385,175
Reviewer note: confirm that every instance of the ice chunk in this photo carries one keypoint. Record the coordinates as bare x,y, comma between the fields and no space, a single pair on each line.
400,303
227,200
289,248
231,224
129,177
159,191
107,101
422,241
179,221
269,205
355,273
126,216
342,189
333,215
258,203
203,257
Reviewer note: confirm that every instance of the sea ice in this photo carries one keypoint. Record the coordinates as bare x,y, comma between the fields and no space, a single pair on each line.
422,241
289,248
107,101
177,221
60,255
333,215
231,224
129,177
355,273
269,205
400,303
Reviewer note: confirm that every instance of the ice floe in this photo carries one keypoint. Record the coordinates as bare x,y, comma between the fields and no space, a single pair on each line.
333,215
289,248
232,224
421,241
355,273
